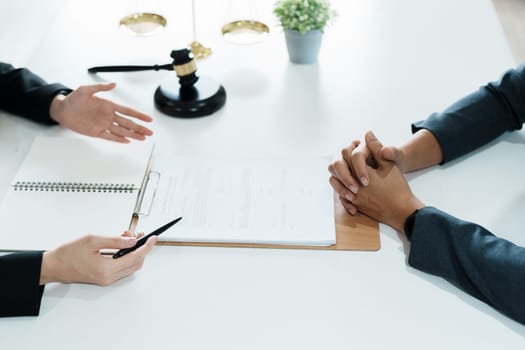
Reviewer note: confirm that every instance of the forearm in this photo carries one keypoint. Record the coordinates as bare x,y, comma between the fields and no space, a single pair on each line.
470,257
421,151
480,117
26,94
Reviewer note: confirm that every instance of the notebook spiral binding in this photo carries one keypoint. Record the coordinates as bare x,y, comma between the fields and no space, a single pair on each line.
72,187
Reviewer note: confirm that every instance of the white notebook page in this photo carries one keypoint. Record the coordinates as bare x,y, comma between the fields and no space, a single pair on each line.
61,159
273,201
38,217
43,220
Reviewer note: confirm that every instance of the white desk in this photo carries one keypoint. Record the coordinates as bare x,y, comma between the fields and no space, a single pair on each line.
383,64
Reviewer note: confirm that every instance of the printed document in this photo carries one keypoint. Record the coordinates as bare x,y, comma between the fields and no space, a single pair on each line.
241,200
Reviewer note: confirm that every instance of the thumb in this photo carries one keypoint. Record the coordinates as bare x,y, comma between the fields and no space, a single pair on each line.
99,242
374,145
93,89
391,153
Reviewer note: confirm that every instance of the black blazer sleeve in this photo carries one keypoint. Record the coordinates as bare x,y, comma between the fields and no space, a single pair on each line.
26,94
20,290
479,117
489,268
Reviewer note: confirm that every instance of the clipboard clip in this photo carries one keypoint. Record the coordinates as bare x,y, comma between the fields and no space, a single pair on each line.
147,194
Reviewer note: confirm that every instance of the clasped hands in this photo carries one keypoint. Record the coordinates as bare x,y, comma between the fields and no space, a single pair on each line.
370,179
87,114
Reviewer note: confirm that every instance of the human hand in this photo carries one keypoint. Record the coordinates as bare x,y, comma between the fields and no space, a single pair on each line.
87,114
80,260
350,172
387,198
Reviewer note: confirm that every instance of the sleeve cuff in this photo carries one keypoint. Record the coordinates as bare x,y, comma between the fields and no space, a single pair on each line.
409,224
21,292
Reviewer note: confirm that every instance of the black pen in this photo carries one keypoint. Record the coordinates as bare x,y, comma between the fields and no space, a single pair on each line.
143,240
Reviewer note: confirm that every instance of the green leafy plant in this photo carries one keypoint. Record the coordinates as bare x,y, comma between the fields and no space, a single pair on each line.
303,15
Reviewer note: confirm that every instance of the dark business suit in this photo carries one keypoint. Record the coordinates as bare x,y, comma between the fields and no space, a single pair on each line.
487,267
25,94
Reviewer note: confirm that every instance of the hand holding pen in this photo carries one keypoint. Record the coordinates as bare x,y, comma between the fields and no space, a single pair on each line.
80,261
85,262
144,239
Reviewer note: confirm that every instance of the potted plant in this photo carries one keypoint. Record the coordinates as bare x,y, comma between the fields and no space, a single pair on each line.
303,22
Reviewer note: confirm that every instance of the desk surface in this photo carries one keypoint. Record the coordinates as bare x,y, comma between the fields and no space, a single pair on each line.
383,64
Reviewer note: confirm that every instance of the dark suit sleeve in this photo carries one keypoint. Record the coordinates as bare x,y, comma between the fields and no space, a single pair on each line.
479,117
26,94
489,268
20,290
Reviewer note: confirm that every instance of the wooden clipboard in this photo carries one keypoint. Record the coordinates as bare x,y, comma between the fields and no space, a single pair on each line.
357,232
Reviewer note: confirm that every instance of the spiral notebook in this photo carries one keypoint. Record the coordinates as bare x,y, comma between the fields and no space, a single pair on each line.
69,187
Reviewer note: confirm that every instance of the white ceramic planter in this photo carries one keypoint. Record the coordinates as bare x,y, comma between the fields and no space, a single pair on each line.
303,48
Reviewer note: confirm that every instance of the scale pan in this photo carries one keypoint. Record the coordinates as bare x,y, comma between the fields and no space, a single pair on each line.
245,32
143,23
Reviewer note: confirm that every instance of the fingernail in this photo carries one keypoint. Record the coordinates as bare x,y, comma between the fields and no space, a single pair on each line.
349,197
364,181
352,188
131,241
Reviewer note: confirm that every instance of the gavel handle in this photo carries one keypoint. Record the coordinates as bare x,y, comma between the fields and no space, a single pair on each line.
102,69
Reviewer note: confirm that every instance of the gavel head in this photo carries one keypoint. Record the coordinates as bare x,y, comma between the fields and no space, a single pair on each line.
185,68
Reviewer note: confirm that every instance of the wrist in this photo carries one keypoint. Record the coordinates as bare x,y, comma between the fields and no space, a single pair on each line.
48,270
410,152
407,210
56,108
421,151
44,269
